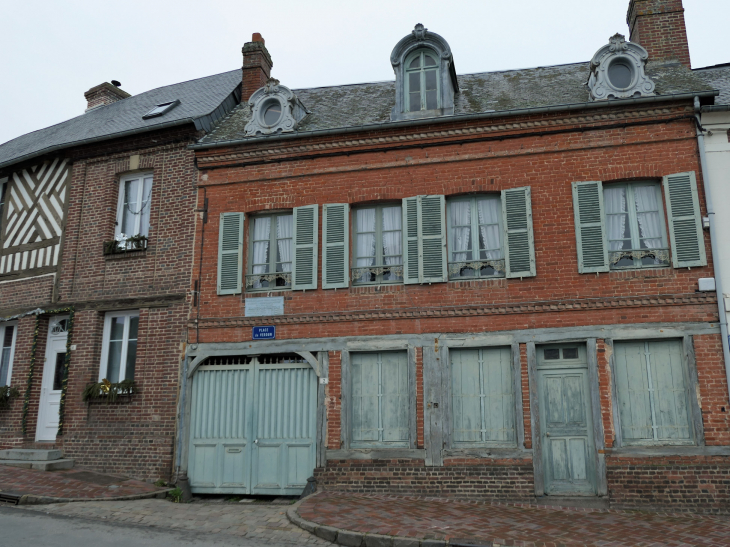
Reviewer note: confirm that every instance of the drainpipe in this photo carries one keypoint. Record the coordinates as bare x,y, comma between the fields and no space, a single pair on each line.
713,239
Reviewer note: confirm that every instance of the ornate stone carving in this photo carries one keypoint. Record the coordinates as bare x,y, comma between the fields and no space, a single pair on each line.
419,38
266,102
617,71
357,273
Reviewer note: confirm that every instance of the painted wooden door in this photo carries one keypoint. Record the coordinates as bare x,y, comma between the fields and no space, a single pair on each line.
567,431
252,428
50,400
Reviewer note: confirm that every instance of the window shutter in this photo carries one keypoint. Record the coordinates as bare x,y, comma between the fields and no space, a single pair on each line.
432,239
394,389
519,245
670,392
335,245
365,405
230,253
410,240
590,228
304,263
632,385
685,223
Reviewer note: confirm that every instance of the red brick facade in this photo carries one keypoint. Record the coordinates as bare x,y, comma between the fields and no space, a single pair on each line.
546,152
136,435
658,26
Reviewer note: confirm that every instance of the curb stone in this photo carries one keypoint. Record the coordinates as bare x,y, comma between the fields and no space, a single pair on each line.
350,538
32,499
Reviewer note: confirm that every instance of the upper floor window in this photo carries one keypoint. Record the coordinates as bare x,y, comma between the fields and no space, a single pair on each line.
133,213
422,81
635,225
119,346
475,237
270,255
7,338
378,243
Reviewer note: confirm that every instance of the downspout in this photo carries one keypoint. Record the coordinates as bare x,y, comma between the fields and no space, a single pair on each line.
713,240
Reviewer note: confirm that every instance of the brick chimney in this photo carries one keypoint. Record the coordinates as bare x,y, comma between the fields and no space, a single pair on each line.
104,94
256,66
658,26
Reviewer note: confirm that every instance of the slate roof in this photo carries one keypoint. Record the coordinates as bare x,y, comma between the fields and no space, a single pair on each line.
717,77
340,107
202,101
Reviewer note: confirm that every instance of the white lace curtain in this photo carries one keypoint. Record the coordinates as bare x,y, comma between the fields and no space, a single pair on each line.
136,207
614,202
392,238
365,227
262,231
460,231
647,213
489,211
284,231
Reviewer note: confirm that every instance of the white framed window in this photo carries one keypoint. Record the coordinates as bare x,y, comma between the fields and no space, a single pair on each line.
270,252
635,228
378,245
8,333
119,346
133,211
475,237
422,81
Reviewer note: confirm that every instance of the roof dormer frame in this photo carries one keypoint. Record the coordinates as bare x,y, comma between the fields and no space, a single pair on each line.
617,71
421,39
274,109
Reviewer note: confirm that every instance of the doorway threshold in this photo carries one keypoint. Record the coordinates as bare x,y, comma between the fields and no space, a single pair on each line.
583,502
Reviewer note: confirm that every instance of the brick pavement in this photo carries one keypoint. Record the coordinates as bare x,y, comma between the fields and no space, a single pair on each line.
511,524
255,521
69,483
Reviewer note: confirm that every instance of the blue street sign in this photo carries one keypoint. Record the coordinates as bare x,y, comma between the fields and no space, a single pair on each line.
264,333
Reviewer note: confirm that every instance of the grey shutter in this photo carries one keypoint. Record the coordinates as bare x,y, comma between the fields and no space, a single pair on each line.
335,245
590,228
432,239
519,245
365,397
395,396
632,386
230,253
685,223
671,399
466,397
410,240
304,262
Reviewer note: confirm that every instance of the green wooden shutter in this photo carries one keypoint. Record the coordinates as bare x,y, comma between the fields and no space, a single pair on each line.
466,400
335,245
365,400
394,389
685,223
632,385
230,253
499,401
590,228
304,262
432,239
671,400
519,245
410,240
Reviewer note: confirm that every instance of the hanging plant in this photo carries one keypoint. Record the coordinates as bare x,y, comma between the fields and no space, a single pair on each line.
8,393
107,391
125,244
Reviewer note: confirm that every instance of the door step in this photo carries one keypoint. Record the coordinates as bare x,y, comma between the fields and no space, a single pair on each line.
584,502
30,454
41,465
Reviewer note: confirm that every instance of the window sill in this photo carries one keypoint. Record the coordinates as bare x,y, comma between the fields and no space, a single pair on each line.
478,283
126,255
664,450
490,453
267,292
629,273
377,454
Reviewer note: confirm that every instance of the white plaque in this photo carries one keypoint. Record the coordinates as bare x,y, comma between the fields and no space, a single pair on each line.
264,306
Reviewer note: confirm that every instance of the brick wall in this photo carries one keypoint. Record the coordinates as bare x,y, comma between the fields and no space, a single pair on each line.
692,483
658,26
510,479
25,294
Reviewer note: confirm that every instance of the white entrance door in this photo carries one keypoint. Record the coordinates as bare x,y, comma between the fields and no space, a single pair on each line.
51,384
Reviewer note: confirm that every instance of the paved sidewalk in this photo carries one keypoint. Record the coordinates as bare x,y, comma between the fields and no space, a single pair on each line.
266,523
510,524
71,484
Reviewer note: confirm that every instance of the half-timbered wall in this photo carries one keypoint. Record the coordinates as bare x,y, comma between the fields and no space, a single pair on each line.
33,217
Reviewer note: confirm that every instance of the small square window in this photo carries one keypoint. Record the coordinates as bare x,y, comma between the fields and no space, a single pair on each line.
552,354
161,109
570,353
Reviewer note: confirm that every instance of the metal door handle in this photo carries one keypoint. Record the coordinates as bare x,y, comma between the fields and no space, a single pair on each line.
547,434
256,441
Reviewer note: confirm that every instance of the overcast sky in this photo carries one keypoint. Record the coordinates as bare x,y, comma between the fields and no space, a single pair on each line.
51,51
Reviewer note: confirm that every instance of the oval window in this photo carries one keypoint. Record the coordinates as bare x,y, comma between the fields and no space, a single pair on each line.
620,75
272,113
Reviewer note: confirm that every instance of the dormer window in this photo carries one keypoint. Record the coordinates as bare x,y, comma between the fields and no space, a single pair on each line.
422,81
425,77
274,109
617,71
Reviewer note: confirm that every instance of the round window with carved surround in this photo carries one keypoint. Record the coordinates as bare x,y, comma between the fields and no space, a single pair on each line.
270,112
620,73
